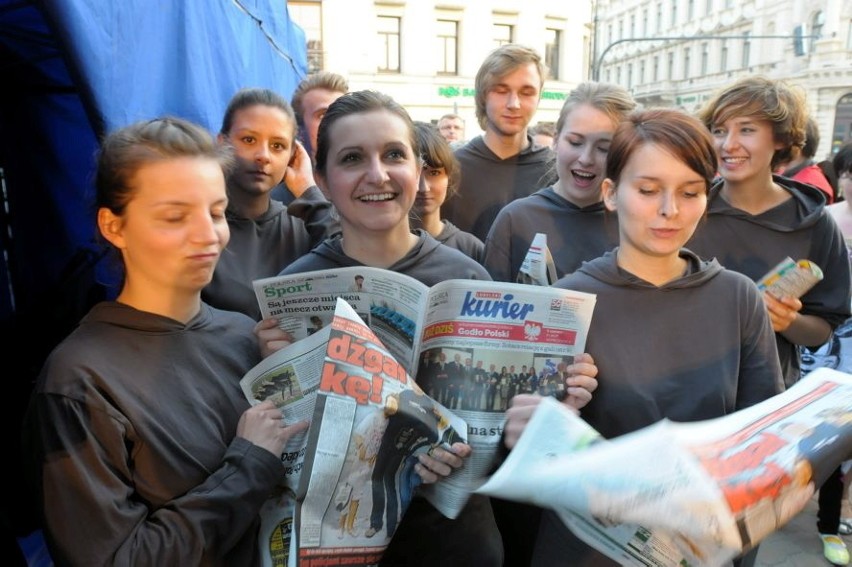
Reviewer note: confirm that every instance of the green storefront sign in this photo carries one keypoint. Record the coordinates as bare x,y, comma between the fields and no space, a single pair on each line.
455,92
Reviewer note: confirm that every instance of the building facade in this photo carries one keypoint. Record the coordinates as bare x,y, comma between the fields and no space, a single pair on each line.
678,52
426,54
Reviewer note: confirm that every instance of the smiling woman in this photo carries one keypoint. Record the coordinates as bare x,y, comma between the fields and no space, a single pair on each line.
260,127
368,162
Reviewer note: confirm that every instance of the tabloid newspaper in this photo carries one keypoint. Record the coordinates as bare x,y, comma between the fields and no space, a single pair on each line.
790,278
684,494
471,344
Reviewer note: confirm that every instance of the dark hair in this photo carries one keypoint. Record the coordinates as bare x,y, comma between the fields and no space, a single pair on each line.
246,98
682,135
323,80
842,160
125,151
764,99
357,102
437,153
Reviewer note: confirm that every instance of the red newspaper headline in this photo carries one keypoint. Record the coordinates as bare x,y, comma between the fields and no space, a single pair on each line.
529,331
360,350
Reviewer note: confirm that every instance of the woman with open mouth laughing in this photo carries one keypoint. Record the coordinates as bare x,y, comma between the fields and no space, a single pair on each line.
571,212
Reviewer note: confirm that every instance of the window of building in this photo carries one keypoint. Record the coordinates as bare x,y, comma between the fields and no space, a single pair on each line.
644,22
448,47
608,75
817,22
632,25
674,13
849,36
389,54
705,58
655,69
641,77
618,74
670,66
690,10
503,34
687,61
723,57
608,34
746,50
630,75
309,17
659,20
552,45
708,7
620,28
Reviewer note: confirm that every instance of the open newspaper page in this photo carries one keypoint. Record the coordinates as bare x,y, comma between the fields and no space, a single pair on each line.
692,493
290,378
370,422
484,342
390,303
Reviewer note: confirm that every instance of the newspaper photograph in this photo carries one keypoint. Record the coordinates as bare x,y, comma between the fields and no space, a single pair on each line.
370,422
694,493
471,345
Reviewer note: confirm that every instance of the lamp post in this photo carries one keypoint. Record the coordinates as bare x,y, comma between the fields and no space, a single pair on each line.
596,66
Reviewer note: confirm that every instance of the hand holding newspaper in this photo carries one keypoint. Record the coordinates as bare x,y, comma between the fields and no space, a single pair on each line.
471,344
676,494
790,278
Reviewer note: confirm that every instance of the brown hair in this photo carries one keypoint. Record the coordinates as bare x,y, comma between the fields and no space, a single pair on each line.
764,99
358,102
437,153
682,135
125,151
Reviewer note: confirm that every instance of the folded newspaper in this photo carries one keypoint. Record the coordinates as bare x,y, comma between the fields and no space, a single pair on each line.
692,494
349,480
791,278
538,267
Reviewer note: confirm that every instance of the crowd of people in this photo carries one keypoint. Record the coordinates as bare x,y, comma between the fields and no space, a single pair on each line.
142,448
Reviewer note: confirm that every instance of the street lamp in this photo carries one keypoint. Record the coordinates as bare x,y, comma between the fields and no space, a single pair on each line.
596,67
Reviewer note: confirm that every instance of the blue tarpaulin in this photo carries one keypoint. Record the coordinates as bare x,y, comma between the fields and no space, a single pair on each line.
71,70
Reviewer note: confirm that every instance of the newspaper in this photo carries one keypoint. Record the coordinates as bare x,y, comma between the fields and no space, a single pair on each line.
472,345
538,267
691,493
349,479
790,278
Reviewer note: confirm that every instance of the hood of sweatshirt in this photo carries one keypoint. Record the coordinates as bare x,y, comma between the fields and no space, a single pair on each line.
127,317
533,153
809,202
605,269
332,249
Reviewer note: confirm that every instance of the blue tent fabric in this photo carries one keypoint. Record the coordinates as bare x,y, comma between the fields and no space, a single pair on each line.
70,71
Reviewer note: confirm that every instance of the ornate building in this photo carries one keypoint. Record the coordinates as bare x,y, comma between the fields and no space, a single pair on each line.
678,52
425,53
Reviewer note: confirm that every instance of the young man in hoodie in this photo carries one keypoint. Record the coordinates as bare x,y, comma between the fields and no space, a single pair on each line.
504,163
